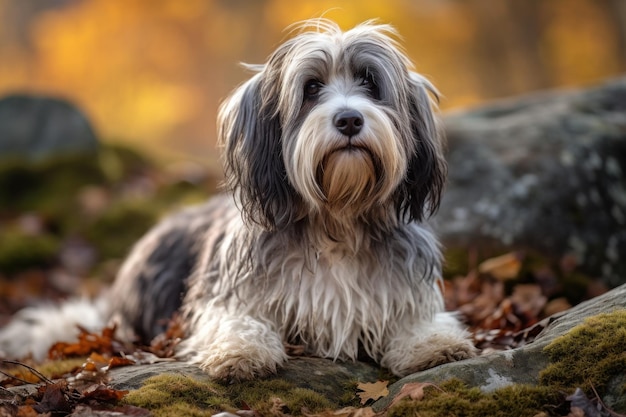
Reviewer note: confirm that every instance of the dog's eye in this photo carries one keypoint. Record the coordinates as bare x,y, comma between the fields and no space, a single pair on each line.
367,81
312,88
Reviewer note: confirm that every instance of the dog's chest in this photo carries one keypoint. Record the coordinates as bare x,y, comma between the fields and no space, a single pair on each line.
331,302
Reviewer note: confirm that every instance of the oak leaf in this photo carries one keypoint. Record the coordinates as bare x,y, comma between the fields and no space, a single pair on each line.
502,267
372,390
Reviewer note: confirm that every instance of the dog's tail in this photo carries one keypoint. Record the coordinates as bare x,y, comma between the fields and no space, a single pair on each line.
33,330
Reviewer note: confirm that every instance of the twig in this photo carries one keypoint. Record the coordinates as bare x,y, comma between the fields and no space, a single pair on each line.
14,377
3,389
611,412
31,369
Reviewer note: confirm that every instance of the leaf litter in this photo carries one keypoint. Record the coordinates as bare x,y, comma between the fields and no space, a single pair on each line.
84,391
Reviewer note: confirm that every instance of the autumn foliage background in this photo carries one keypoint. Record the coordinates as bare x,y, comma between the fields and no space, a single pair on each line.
152,73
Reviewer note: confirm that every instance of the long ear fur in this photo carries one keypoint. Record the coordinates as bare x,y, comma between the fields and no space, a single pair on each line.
250,131
420,194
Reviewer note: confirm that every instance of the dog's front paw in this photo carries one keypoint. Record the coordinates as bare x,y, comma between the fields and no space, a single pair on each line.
445,350
235,349
242,364
403,360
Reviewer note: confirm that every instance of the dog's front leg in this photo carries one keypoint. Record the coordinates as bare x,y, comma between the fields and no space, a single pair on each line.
232,348
415,344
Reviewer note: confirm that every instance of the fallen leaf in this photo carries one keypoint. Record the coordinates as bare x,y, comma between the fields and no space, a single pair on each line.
101,392
529,299
10,410
54,399
27,411
413,391
372,390
164,344
502,267
118,361
279,408
87,343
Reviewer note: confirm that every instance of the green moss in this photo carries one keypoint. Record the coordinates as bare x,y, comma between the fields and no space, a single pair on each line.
456,399
177,395
46,185
118,162
120,226
57,368
259,396
590,355
19,251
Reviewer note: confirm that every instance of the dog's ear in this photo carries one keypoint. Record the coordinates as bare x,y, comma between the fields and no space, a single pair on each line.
420,193
250,131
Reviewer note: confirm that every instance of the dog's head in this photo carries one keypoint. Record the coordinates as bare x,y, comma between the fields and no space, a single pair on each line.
334,124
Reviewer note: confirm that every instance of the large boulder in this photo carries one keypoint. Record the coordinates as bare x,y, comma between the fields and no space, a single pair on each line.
34,128
546,173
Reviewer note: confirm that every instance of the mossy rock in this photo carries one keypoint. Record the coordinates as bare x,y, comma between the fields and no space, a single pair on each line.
20,251
536,378
312,384
180,395
592,356
120,226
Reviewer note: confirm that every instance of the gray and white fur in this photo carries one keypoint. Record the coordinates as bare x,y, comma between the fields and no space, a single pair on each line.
333,160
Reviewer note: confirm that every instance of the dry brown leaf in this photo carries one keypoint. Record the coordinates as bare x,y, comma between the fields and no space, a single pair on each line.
53,399
372,390
87,343
117,361
555,306
413,391
103,393
279,408
27,411
529,299
502,267
164,345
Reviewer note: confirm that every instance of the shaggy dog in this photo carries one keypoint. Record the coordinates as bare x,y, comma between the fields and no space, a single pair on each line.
333,160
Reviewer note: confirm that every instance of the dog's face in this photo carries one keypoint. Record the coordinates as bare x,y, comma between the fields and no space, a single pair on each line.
335,124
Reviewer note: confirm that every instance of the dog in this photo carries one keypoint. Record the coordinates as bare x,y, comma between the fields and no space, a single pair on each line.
333,162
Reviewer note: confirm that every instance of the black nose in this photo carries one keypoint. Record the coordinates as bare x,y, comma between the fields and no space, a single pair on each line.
348,122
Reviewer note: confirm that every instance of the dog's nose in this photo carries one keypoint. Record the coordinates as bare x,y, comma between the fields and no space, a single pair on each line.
348,122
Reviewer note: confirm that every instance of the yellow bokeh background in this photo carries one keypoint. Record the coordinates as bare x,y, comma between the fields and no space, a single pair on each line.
152,73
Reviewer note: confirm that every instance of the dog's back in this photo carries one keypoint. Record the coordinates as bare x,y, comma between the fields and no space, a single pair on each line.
152,281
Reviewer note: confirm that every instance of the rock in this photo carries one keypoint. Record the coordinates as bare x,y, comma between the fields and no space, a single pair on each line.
543,173
34,128
521,365
320,375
